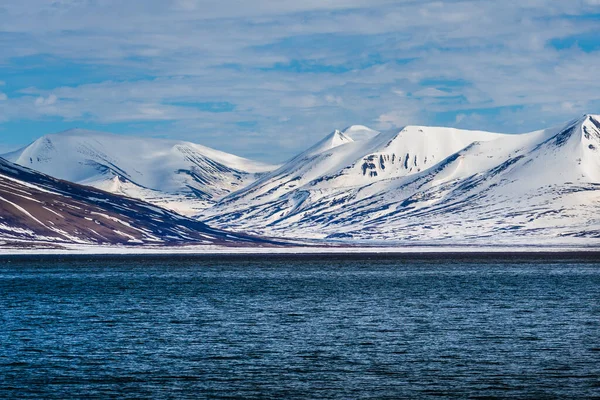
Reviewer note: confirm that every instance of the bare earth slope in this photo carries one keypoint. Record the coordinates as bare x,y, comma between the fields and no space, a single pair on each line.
36,207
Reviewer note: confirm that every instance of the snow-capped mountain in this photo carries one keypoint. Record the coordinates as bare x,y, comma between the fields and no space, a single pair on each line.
38,208
338,162
181,176
430,184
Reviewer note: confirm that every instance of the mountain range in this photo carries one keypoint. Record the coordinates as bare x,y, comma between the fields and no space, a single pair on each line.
413,185
36,208
181,176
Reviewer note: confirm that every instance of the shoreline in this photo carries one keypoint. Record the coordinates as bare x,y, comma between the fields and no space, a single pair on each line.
474,249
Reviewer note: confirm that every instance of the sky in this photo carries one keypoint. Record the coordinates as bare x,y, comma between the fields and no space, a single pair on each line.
265,79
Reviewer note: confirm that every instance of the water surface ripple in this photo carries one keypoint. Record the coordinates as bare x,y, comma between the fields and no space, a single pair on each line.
326,327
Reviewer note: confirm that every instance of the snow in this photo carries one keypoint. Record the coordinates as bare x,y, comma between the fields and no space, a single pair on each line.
82,249
359,133
182,176
429,183
442,186
38,210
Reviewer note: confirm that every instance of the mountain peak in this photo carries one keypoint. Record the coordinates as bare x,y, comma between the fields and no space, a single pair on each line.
591,127
334,139
433,183
359,132
337,138
182,176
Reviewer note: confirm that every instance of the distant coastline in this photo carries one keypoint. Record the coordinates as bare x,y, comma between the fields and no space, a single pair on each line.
508,249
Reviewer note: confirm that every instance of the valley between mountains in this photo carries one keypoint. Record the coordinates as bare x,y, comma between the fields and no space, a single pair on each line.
357,186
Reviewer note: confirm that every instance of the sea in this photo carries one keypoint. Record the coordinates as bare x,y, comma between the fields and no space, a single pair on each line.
359,326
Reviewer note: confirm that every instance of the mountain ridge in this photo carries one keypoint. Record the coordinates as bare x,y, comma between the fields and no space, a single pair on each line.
417,183
179,175
35,207
497,178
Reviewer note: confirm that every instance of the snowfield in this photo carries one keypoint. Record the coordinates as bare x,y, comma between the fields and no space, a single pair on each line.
425,186
8,249
181,176
424,183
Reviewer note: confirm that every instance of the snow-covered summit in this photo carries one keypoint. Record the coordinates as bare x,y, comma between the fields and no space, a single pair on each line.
359,132
333,140
183,176
431,183
416,183
338,161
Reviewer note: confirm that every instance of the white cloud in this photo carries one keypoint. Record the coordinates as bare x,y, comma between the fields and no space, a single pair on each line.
285,58
398,118
334,100
3,96
46,101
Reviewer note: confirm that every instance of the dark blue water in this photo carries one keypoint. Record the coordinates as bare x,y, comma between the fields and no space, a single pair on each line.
300,327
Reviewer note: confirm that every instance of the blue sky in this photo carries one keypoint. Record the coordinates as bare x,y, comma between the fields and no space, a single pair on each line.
265,78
